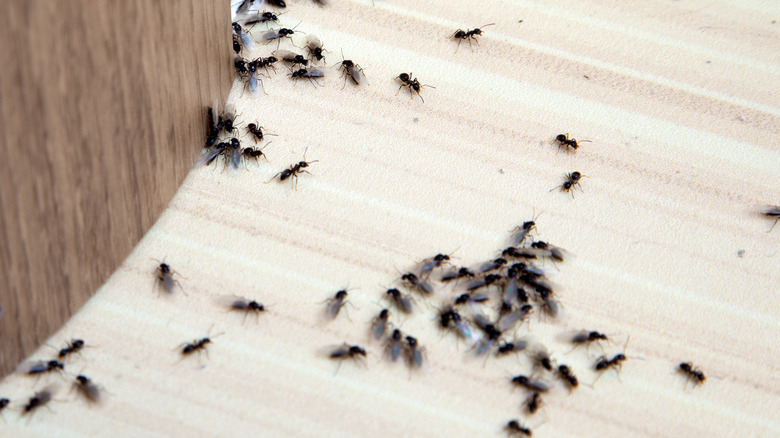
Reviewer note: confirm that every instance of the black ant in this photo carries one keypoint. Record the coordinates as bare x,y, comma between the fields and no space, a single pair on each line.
460,273
280,33
514,427
772,212
565,141
335,303
414,353
428,265
603,363
73,346
531,385
314,46
350,70
244,305
355,353
197,345
310,74
87,388
257,131
164,274
533,402
236,45
511,347
252,153
293,171
401,301
261,17
692,373
587,338
292,58
469,35
379,324
572,180
408,81
565,373
42,367
394,345
417,283
40,398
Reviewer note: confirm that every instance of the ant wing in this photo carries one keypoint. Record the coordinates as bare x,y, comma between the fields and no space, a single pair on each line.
314,74
285,55
271,35
355,74
313,42
208,156
233,301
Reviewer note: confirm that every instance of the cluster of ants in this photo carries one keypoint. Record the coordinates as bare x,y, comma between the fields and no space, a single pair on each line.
224,124
518,285
84,385
301,66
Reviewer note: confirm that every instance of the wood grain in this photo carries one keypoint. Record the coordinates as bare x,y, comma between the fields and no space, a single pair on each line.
101,104
679,101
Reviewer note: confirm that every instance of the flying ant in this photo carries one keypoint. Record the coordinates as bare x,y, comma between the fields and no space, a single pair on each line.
565,373
492,334
40,398
509,320
772,212
692,373
243,35
415,355
521,232
531,385
511,347
448,317
244,305
394,345
260,17
492,265
572,180
310,74
533,402
335,303
429,264
254,75
485,281
407,80
564,141
379,324
314,46
280,33
469,35
244,7
455,275
541,358
350,70
42,367
71,347
293,171
470,298
87,388
344,352
587,338
401,301
233,154
417,283
514,427
291,58
236,45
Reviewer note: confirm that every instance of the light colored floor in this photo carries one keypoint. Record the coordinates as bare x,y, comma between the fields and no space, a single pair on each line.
679,101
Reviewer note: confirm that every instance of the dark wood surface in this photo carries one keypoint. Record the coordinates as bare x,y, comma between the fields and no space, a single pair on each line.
102,114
